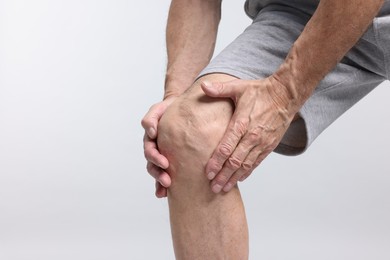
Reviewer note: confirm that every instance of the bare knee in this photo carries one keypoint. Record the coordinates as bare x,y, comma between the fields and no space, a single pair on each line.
190,130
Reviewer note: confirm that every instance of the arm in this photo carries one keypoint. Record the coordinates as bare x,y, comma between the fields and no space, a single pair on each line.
335,28
191,34
265,108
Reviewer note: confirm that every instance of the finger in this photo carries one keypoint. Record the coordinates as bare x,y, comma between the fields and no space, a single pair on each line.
161,191
225,148
246,168
228,177
236,129
152,154
159,175
150,120
230,89
257,162
225,174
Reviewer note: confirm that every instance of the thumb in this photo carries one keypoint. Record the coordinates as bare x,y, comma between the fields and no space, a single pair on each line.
150,120
221,89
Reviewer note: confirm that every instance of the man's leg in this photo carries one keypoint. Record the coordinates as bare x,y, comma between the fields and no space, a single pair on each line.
204,225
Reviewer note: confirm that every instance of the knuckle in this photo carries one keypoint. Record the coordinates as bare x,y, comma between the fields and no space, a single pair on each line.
234,163
240,126
255,135
219,86
225,149
145,122
247,166
213,165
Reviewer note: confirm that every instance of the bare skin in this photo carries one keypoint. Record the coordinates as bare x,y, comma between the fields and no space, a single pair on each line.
204,225
191,35
333,29
205,222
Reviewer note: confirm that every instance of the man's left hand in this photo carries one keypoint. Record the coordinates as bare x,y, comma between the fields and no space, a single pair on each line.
263,112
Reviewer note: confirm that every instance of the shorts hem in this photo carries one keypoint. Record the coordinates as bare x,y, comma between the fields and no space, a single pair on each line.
226,70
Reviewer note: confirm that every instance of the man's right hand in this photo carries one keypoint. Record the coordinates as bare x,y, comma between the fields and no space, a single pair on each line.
156,162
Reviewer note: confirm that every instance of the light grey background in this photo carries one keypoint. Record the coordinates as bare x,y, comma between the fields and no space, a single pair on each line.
76,77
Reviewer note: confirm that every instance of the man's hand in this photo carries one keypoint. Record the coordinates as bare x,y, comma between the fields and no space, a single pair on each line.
156,162
262,115
265,108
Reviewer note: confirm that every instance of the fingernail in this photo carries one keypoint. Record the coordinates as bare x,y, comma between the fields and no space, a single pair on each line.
217,188
151,132
207,84
227,187
211,175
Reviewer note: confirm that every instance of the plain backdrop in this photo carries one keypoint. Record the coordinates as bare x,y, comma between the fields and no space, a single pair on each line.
76,77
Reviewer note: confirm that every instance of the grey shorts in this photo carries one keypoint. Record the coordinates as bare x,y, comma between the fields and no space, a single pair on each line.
263,46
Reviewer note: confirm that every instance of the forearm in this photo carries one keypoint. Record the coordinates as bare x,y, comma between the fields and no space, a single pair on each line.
333,29
191,34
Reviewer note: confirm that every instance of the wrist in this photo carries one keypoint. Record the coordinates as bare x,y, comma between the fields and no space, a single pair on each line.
282,96
296,79
169,98
174,86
